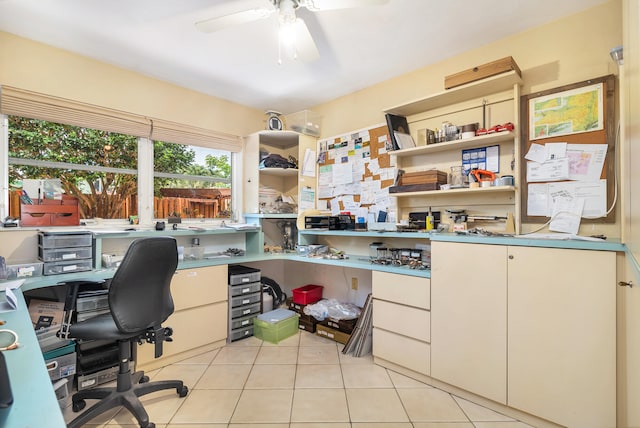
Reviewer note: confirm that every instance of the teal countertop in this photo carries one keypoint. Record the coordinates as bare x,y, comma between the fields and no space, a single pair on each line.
532,241
34,401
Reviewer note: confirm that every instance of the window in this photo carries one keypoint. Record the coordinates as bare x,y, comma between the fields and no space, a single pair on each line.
107,159
97,168
191,181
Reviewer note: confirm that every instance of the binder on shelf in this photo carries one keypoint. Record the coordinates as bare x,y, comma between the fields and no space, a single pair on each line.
397,124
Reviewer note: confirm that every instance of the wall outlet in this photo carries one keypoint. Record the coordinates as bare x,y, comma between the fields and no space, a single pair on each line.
354,283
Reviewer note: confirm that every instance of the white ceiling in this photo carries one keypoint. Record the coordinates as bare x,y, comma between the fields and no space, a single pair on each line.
358,47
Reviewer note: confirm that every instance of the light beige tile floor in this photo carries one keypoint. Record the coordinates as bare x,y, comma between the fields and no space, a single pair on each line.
303,382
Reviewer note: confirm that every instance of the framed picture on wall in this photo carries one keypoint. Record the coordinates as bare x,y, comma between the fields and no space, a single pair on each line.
567,112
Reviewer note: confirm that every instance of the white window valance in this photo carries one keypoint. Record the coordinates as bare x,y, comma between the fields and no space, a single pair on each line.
25,103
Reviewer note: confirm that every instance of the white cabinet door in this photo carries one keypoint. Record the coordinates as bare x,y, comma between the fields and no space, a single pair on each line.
469,317
562,335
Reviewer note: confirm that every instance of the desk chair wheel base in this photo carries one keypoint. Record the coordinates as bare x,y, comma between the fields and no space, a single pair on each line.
182,392
78,405
144,379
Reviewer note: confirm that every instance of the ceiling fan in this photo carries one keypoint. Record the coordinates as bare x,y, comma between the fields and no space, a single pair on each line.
293,34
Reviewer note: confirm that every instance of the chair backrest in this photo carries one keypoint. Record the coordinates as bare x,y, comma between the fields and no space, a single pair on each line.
140,290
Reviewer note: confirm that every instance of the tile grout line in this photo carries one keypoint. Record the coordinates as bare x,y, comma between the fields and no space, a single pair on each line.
235,408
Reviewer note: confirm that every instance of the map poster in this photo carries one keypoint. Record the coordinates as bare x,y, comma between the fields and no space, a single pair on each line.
569,112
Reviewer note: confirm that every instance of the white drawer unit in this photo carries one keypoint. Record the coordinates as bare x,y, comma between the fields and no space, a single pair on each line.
402,321
245,301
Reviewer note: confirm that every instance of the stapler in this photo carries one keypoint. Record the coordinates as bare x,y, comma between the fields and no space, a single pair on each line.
11,222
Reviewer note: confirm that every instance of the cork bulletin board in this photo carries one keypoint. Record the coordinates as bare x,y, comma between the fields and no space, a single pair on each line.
582,115
355,171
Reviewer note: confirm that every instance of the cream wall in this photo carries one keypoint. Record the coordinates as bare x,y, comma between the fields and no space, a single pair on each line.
563,52
34,66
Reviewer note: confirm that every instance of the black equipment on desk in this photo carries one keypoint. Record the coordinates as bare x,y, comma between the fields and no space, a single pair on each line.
419,219
342,222
316,222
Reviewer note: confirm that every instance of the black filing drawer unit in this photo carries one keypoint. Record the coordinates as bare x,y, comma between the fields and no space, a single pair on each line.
245,300
65,252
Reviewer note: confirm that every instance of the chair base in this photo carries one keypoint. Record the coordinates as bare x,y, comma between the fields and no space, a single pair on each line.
127,397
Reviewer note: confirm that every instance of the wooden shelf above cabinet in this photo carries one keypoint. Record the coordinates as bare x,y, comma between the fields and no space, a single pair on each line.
280,172
282,139
462,93
481,141
478,190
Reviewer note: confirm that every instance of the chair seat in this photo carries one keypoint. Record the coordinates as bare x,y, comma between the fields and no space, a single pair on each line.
100,327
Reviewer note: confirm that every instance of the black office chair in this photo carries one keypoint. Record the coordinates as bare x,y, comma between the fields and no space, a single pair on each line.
139,301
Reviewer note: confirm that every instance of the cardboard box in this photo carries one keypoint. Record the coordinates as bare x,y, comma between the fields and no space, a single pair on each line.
307,325
331,333
345,326
45,313
483,71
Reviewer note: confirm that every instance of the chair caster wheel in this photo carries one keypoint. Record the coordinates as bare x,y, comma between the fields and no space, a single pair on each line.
78,405
182,392
150,425
144,379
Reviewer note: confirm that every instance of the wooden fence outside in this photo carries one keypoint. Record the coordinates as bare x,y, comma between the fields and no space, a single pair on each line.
163,207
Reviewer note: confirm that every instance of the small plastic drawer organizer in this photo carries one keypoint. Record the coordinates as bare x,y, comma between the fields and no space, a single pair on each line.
23,270
65,252
65,239
56,268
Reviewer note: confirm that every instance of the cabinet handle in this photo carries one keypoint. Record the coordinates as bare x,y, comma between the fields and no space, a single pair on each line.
625,284
510,256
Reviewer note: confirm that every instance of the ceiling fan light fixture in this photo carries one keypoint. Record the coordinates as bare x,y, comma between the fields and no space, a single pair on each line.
287,31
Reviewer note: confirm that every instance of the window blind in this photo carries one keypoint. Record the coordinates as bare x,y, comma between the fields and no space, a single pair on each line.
34,105
162,130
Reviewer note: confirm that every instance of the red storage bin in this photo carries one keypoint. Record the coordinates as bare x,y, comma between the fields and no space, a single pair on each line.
307,294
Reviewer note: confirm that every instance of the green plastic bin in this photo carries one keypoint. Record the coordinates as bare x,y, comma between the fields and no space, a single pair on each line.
274,332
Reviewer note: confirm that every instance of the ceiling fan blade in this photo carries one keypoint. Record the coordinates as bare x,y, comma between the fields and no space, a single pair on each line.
221,22
306,47
317,5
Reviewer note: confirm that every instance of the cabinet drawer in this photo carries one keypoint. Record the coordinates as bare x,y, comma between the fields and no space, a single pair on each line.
249,299
192,328
405,320
241,290
404,351
200,286
404,289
